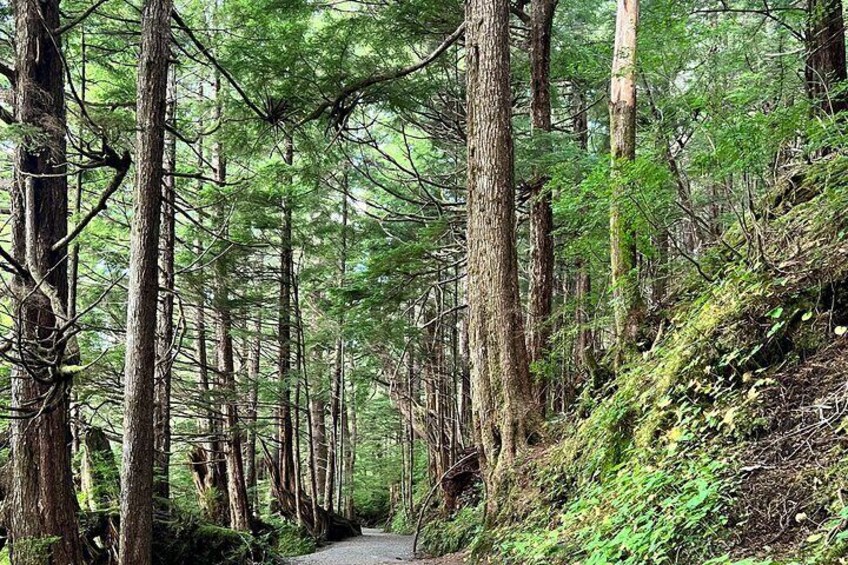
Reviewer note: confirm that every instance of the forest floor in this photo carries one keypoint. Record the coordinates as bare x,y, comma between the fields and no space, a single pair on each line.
374,547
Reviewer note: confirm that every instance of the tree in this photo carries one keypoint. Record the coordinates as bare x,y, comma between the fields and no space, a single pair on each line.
500,374
286,429
541,212
236,484
825,69
165,314
43,526
138,455
626,300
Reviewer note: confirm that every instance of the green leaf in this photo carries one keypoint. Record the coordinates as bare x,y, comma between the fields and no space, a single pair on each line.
776,313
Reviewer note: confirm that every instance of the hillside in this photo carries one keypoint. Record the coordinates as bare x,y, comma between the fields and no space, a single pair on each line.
726,442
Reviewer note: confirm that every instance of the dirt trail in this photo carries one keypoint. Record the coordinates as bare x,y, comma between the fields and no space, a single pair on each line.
373,547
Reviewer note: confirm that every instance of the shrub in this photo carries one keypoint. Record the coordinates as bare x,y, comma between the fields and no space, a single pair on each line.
441,537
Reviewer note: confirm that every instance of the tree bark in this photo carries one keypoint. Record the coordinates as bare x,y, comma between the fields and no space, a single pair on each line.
500,373
236,485
337,384
138,454
254,360
627,305
541,291
165,315
826,67
286,430
210,468
43,527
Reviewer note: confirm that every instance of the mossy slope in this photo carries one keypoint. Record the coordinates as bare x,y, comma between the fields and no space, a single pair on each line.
726,442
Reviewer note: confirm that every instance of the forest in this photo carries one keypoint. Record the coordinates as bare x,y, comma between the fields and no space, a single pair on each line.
357,282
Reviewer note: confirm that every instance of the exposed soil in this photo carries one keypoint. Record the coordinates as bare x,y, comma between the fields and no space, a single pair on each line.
780,502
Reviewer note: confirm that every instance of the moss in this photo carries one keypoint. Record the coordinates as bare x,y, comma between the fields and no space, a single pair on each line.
183,539
648,473
34,550
292,541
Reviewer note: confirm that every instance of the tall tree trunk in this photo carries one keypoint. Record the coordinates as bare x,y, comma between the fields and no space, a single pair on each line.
42,493
438,443
541,212
585,343
74,255
236,486
211,473
350,450
286,430
335,411
826,66
337,384
313,444
213,485
465,408
137,466
298,468
627,305
254,360
318,437
500,373
165,315
410,433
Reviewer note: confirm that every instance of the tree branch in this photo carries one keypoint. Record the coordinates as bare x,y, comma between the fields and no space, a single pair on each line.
9,72
220,68
383,77
7,116
768,13
79,19
15,267
121,166
518,12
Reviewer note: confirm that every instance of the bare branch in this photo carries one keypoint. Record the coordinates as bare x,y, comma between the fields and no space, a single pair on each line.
121,166
8,72
16,267
6,116
220,68
81,18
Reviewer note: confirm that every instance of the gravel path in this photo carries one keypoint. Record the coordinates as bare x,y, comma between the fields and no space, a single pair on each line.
373,547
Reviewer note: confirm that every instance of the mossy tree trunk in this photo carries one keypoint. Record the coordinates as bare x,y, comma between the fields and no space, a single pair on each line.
627,303
43,526
502,389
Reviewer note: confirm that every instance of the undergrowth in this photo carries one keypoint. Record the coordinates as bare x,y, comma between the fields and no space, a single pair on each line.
651,474
441,537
